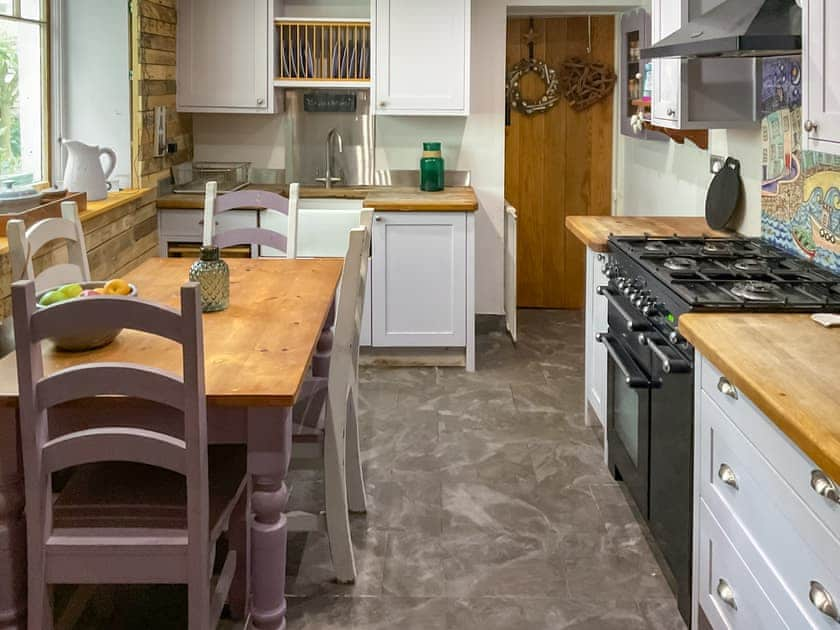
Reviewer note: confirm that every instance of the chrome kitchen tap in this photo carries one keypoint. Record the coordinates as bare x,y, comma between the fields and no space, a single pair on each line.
328,178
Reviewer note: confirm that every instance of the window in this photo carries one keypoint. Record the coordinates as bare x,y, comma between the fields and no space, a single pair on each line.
23,89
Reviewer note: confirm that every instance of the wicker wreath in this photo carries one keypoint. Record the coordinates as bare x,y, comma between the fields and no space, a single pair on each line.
552,87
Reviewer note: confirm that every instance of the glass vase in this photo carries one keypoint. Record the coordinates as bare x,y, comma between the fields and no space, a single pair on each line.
213,276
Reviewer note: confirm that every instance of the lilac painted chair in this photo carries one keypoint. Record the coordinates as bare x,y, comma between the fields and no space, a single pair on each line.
141,507
281,214
325,420
24,245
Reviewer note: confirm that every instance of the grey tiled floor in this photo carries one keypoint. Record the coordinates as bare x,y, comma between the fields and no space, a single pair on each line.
489,503
490,508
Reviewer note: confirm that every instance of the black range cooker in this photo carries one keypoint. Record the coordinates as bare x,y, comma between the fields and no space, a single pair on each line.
652,281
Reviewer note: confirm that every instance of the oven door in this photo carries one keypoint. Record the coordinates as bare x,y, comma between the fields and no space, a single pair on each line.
671,461
628,416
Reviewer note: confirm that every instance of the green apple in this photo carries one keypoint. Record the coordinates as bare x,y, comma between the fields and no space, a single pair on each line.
53,297
71,290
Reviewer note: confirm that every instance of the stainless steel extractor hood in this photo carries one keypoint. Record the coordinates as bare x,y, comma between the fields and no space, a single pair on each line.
736,28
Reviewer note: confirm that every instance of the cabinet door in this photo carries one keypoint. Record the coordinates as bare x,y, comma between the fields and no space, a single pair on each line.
223,56
822,91
423,51
419,279
666,17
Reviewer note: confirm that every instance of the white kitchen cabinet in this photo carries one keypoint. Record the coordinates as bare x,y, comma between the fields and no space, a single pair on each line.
714,93
754,493
666,17
595,374
821,90
423,280
422,64
225,52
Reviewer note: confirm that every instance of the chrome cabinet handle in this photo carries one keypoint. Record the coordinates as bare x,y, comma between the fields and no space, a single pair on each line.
727,476
810,126
671,112
378,219
823,601
824,486
726,388
260,101
600,258
383,103
201,222
726,594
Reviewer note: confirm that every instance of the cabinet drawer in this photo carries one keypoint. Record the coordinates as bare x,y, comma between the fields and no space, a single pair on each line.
729,593
786,458
794,547
191,222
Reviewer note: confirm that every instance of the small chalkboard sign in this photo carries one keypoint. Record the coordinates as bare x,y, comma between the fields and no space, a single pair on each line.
329,102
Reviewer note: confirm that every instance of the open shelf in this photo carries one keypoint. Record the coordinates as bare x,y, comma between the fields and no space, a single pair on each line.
320,52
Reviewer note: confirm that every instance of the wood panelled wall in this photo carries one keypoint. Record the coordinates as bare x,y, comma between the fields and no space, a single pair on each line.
558,163
117,241
153,30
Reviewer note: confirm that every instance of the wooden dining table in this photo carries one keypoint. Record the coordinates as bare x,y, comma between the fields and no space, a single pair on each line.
257,355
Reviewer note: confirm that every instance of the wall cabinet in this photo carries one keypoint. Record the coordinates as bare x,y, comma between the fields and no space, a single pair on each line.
595,316
767,542
714,93
821,93
224,56
422,57
635,35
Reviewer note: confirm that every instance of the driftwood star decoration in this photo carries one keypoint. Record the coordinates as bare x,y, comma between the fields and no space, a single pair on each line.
585,83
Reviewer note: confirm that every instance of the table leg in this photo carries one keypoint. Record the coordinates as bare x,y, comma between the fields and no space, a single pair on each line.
12,526
269,453
321,360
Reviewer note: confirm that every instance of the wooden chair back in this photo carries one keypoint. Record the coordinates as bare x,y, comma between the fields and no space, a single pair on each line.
24,245
43,455
215,204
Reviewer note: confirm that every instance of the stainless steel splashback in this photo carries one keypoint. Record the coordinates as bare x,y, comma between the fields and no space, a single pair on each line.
306,135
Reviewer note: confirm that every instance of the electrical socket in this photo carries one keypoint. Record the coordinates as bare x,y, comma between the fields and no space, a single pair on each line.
716,163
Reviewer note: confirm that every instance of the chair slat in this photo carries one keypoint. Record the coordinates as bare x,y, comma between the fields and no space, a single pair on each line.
95,313
252,199
251,236
115,444
48,230
125,379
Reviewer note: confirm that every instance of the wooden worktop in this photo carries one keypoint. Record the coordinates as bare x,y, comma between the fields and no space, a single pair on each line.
787,365
386,198
593,231
256,352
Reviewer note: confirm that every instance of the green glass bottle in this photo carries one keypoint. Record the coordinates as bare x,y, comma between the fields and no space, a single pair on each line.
213,276
431,168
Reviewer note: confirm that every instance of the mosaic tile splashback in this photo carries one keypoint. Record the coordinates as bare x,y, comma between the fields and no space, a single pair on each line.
800,199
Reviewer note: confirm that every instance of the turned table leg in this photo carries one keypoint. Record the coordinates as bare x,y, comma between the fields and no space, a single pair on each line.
12,526
269,452
321,360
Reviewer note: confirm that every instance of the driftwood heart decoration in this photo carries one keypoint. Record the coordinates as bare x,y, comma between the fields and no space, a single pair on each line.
585,82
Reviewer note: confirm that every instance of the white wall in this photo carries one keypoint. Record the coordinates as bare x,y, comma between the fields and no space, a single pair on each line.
96,97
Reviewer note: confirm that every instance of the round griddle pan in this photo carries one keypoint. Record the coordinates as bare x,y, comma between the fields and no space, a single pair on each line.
724,195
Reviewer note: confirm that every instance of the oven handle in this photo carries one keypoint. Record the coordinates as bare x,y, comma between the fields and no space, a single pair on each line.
634,324
633,376
671,363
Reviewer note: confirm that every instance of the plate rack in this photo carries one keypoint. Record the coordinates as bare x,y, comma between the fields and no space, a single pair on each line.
323,52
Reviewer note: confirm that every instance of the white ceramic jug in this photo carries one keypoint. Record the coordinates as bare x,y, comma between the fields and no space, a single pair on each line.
84,169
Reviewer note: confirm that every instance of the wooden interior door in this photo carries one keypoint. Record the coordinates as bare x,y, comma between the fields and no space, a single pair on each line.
558,163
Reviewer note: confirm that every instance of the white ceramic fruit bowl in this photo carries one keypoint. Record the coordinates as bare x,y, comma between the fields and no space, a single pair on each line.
89,339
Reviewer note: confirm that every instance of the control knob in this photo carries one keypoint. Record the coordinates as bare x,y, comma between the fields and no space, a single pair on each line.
650,307
675,337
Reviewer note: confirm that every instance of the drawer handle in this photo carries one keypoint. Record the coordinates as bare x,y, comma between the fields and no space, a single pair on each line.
824,486
726,594
726,388
727,476
601,258
201,222
822,601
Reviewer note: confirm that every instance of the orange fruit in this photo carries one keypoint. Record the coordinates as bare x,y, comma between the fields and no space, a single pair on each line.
117,286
